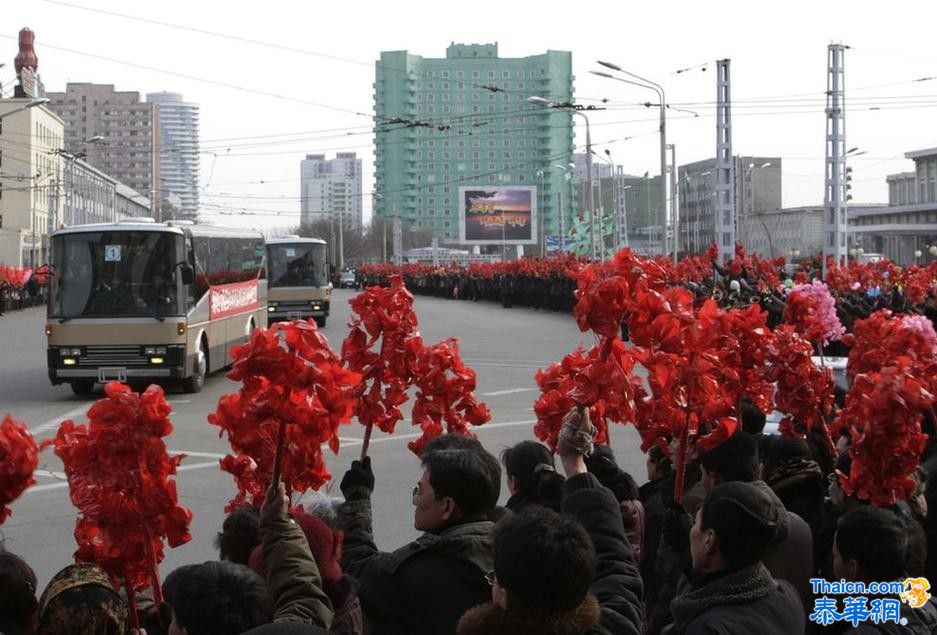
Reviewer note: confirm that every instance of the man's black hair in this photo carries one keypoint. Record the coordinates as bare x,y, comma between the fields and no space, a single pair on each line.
735,459
745,520
239,534
545,560
18,602
465,476
603,465
876,539
463,442
753,419
219,598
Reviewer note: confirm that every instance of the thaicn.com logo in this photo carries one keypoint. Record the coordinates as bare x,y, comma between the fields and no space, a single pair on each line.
857,602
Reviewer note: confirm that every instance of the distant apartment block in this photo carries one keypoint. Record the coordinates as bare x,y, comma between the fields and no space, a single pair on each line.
178,149
331,190
465,120
114,132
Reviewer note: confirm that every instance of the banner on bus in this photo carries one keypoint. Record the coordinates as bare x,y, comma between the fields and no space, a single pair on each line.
498,215
228,299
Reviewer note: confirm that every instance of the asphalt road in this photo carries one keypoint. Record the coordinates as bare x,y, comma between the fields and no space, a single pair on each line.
504,346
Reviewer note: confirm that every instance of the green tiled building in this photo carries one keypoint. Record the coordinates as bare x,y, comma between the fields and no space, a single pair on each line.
465,120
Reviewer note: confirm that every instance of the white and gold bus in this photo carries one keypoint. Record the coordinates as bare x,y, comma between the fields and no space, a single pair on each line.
298,275
144,301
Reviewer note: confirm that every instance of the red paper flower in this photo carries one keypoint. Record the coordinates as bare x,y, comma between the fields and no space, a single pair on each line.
119,473
19,458
444,395
290,375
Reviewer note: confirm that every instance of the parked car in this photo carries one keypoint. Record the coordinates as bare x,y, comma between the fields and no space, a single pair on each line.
346,280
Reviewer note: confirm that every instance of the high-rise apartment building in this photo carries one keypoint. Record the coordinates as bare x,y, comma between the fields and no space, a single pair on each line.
178,149
113,131
465,121
331,190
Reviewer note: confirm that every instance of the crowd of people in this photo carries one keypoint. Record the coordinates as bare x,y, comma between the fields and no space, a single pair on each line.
577,548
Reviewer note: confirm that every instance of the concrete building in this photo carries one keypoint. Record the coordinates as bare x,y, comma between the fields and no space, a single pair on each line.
636,199
791,231
331,190
907,226
128,147
600,169
465,120
757,189
91,196
178,150
31,137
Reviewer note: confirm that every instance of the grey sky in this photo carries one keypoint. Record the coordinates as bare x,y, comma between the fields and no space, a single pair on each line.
263,108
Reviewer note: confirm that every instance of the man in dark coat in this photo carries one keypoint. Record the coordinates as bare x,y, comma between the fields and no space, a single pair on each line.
425,586
730,590
563,575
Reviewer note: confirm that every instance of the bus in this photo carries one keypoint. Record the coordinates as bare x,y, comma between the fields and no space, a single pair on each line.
298,275
137,301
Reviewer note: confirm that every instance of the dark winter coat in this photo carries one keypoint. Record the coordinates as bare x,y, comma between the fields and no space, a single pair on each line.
616,586
742,602
790,558
650,496
292,575
423,587
349,619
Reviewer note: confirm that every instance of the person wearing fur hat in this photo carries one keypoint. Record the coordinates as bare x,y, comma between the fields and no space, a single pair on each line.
567,574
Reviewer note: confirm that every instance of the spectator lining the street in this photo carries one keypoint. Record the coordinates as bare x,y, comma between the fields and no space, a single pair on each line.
563,574
80,600
731,591
18,605
426,585
239,534
531,477
602,463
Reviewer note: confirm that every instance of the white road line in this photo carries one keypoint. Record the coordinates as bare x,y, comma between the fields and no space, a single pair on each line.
173,401
50,474
64,484
509,391
204,455
54,423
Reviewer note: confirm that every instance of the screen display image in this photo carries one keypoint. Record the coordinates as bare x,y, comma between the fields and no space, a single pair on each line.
498,215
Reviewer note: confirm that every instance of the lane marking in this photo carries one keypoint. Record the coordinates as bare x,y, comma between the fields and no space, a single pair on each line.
348,441
54,423
51,474
509,391
204,455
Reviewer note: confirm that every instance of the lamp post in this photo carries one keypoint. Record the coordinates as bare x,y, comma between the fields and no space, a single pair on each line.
663,136
540,216
567,176
534,99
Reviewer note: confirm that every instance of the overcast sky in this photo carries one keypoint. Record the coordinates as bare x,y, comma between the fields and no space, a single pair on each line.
305,85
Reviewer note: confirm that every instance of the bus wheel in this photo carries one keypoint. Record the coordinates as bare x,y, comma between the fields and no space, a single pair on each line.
194,383
320,321
82,386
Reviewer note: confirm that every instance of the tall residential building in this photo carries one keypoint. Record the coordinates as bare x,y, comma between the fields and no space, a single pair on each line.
115,132
178,149
331,190
757,189
465,121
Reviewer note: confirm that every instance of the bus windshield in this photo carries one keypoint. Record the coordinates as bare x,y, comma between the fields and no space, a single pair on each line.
297,265
115,274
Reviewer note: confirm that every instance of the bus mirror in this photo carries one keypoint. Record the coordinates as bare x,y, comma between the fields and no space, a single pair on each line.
187,274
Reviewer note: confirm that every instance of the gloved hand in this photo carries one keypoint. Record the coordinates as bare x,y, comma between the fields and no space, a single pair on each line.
358,481
675,529
577,434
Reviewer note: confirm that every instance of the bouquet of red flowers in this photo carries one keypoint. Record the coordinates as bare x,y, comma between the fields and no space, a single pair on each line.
295,395
19,457
119,473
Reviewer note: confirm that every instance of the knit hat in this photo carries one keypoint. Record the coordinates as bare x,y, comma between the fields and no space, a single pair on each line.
741,512
325,544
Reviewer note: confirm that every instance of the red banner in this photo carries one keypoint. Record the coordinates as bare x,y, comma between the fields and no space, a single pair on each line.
229,299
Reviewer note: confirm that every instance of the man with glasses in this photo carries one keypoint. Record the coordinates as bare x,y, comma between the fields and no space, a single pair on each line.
425,586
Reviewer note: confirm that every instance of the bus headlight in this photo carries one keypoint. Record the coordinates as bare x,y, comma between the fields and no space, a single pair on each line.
316,307
69,361
156,360
180,328
271,309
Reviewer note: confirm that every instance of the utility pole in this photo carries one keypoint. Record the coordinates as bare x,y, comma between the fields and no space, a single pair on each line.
559,207
674,209
724,207
834,199
398,238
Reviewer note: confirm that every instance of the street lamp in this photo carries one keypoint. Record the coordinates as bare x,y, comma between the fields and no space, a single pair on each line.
749,209
567,175
540,216
663,136
932,250
540,101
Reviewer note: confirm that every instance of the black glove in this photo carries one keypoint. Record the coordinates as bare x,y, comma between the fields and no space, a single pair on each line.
358,481
675,529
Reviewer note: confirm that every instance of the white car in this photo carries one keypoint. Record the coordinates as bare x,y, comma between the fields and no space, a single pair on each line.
346,280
